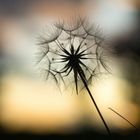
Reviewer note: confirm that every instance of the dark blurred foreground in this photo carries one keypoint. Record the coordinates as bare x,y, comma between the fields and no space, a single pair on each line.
83,134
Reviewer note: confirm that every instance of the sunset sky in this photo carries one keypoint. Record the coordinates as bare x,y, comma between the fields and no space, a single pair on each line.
30,104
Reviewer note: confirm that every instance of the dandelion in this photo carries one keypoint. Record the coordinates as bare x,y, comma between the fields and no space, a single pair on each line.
74,53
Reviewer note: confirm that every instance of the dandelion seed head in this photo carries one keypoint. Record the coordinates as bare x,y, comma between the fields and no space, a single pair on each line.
67,49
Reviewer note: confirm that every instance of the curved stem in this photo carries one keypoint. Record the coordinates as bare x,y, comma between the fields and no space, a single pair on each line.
94,102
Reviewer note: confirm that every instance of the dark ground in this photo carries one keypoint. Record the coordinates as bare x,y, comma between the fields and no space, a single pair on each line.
84,134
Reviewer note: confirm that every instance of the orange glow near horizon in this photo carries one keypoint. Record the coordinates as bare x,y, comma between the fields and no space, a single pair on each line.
36,107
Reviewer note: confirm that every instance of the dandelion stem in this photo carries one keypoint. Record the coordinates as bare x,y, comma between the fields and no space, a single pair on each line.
81,74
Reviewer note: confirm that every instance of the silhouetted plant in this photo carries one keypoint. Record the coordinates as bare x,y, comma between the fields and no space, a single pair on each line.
122,117
73,51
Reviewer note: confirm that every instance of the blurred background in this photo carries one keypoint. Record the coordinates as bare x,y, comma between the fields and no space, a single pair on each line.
30,107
